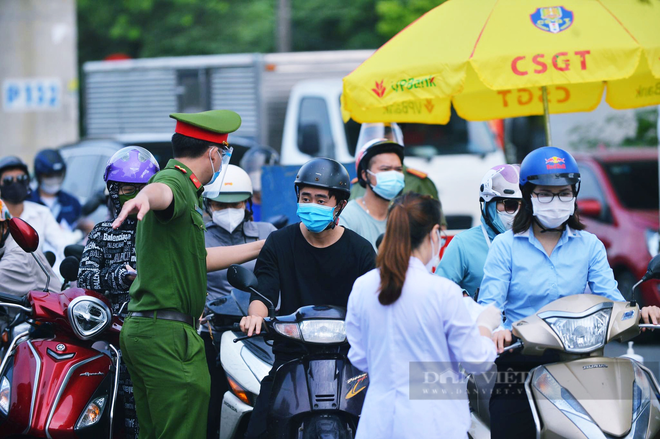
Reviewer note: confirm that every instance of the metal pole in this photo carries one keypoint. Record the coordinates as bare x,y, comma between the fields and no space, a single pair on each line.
546,114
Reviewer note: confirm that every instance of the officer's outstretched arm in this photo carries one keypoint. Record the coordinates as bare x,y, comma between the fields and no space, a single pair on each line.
155,196
219,258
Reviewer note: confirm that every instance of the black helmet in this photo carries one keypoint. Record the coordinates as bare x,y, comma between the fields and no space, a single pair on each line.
48,161
324,173
13,162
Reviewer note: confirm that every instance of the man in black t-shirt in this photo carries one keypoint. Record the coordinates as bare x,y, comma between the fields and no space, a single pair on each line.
313,262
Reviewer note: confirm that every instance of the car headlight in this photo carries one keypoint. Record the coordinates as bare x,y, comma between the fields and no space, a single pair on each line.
653,241
92,413
581,334
323,331
314,331
88,316
5,394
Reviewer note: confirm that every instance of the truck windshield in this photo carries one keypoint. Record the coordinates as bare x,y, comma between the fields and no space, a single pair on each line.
635,183
457,137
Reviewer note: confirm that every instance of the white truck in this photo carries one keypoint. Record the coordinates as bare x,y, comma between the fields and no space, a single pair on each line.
289,101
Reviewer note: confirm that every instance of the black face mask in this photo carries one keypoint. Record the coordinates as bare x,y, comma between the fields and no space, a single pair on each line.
14,192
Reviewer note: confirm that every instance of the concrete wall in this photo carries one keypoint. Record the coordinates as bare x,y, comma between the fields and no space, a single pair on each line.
38,75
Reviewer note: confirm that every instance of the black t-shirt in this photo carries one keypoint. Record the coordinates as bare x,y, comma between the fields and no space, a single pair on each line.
307,275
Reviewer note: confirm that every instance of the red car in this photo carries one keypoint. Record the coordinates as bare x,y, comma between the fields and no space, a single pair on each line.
618,202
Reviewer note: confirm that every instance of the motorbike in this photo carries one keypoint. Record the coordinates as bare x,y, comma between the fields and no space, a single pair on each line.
318,395
58,376
584,394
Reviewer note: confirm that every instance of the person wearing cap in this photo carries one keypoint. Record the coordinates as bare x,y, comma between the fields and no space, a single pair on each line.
313,262
15,190
19,271
545,256
50,170
164,354
379,167
464,257
229,204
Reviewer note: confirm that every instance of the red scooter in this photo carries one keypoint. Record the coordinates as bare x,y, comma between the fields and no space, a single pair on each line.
58,376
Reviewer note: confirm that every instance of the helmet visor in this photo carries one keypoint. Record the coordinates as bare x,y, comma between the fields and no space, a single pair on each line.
379,131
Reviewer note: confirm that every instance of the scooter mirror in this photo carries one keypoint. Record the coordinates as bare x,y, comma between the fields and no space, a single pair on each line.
24,234
653,269
241,278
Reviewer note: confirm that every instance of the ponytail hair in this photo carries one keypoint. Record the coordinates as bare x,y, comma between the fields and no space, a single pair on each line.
409,221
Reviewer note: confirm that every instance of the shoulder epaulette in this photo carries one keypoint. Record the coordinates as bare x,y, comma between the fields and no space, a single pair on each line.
417,173
355,180
179,168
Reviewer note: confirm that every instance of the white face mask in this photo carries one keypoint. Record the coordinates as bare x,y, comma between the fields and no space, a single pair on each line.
51,185
553,214
507,219
229,218
435,253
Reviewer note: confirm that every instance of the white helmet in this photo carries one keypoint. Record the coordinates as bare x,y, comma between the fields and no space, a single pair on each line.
235,187
501,181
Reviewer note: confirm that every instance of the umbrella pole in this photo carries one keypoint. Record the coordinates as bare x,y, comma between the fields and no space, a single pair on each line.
546,115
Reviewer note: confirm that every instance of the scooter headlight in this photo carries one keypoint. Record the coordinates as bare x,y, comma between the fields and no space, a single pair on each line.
88,316
5,394
565,402
581,333
323,331
314,331
641,391
92,413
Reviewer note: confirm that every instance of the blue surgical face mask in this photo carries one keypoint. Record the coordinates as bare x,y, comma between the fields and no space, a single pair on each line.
216,174
315,217
388,184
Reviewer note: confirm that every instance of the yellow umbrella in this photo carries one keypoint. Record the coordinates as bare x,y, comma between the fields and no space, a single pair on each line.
507,58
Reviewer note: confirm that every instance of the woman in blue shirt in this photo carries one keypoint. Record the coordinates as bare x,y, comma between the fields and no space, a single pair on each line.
547,255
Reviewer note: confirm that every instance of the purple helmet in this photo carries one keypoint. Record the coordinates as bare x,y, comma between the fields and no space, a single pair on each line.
132,164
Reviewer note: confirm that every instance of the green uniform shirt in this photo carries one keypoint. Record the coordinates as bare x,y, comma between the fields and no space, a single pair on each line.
171,256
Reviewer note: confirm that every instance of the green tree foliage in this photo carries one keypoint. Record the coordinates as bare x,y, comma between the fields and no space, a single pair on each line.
150,28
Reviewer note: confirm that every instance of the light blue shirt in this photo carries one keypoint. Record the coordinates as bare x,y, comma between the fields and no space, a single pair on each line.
464,259
520,278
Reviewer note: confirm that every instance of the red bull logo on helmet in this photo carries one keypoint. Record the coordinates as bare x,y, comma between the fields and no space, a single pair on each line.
555,163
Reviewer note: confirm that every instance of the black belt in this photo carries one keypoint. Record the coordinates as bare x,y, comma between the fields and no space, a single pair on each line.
166,314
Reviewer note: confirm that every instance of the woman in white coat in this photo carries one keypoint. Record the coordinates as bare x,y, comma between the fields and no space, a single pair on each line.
410,330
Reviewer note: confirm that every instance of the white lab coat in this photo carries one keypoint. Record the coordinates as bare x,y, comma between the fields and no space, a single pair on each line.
428,323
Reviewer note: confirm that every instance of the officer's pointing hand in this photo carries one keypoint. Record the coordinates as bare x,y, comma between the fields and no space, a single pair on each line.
139,205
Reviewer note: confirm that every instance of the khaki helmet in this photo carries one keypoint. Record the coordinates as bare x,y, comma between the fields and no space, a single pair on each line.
234,188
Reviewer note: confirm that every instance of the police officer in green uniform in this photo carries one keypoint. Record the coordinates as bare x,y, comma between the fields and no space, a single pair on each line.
163,352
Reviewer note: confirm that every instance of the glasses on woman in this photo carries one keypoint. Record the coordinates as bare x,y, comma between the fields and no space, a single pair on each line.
510,205
130,189
547,197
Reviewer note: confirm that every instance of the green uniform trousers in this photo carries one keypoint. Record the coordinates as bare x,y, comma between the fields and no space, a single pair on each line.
171,383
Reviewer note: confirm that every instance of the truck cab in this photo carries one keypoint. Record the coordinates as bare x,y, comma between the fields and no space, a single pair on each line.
455,156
